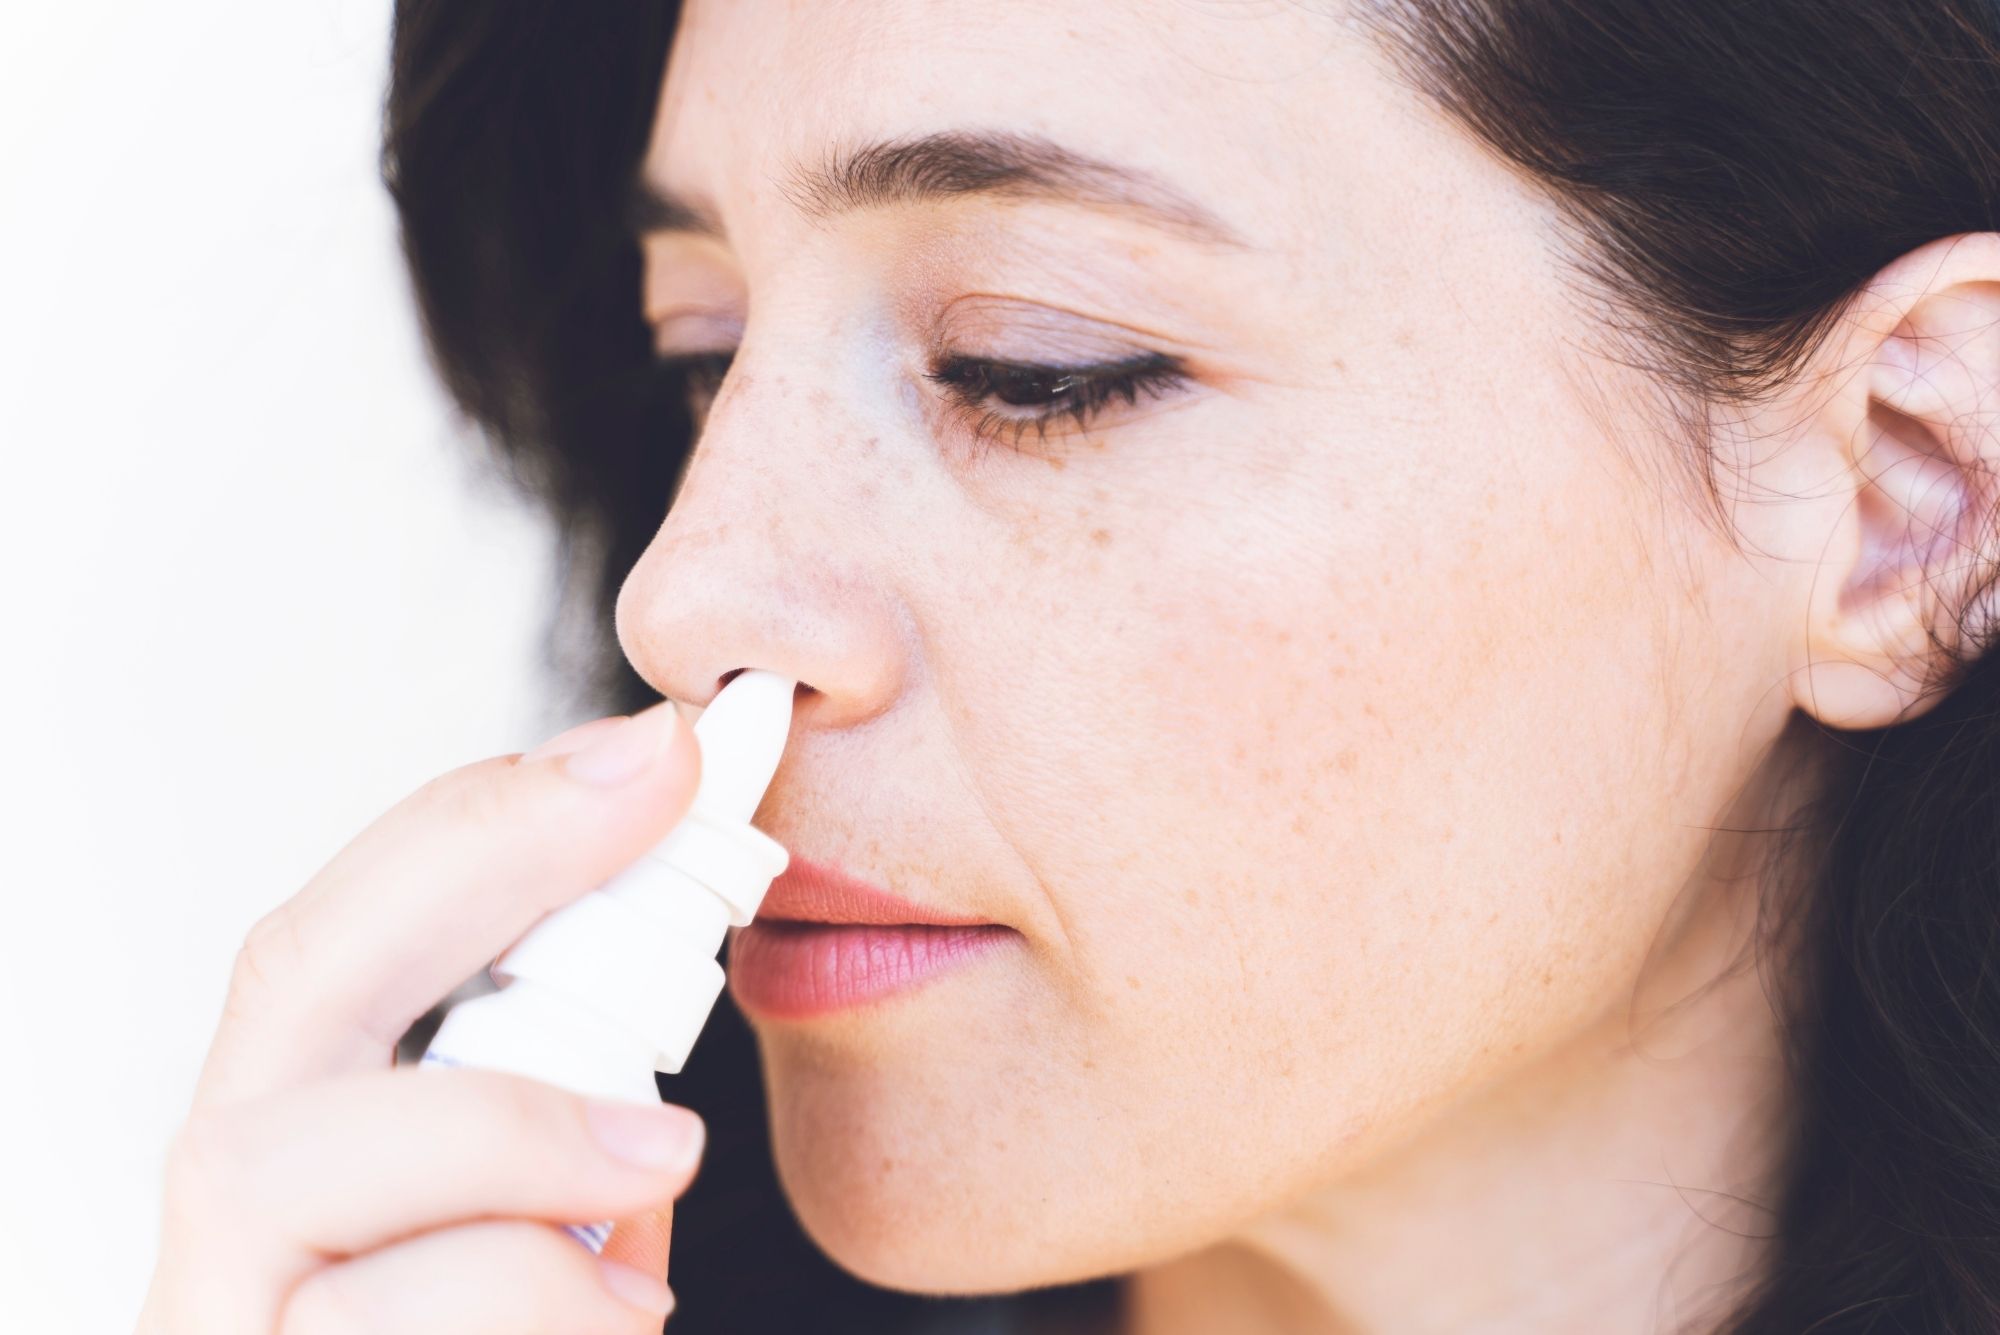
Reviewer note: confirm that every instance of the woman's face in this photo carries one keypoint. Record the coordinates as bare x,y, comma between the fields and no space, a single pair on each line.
1316,708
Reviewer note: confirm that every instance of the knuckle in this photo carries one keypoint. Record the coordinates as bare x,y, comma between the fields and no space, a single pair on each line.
268,952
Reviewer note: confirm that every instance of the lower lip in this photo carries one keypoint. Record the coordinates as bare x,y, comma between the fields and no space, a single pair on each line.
792,970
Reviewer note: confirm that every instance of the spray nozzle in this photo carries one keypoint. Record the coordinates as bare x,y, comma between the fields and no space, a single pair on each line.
742,733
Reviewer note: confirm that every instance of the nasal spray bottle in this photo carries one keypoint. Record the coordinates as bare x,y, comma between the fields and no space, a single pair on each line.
614,986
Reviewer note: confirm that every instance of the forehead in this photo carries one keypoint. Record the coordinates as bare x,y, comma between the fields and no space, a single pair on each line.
1245,104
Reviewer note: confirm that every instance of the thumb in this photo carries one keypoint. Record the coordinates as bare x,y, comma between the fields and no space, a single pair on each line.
641,1241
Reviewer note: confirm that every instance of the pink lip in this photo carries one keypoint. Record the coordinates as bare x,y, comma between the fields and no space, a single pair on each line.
823,941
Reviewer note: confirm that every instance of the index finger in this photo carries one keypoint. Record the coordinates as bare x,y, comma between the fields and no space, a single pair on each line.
437,886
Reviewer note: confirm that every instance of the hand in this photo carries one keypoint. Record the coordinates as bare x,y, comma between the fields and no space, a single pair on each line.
314,1189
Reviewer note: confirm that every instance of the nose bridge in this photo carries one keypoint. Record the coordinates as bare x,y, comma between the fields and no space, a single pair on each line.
765,557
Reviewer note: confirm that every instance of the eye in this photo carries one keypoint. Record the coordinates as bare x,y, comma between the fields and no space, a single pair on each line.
1006,400
998,400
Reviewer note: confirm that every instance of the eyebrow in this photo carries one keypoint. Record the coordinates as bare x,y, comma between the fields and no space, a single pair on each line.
950,164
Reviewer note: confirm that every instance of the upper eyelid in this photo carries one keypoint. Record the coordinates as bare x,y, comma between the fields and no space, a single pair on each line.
968,315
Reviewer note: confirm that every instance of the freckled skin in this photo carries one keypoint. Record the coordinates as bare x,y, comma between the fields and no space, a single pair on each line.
1315,728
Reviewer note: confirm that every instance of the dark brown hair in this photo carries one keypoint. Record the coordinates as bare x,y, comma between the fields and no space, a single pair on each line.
1734,170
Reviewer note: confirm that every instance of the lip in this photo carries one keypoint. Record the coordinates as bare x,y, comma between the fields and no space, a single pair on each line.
823,941
808,891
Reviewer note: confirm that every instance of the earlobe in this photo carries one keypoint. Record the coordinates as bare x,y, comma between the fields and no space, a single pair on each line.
1896,602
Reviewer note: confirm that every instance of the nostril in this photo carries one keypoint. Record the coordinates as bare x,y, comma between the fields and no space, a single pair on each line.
801,691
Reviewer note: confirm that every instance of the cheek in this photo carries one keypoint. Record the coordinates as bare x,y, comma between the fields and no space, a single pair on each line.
1341,795
1368,799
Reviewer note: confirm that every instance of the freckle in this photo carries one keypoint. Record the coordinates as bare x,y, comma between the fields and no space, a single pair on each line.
1100,536
888,1164
1346,762
1089,1065
1493,500
1000,1145
1192,897
1446,836
1058,464
868,446
1559,836
1132,982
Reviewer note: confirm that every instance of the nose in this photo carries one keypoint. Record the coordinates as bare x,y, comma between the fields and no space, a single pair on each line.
766,559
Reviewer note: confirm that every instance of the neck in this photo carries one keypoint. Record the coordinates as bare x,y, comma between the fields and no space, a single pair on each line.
1621,1183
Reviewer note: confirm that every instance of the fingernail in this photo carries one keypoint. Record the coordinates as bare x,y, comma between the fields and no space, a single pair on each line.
660,1135
633,1285
623,751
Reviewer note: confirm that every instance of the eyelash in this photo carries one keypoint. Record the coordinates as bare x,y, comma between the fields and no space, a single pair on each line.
1061,394
1072,394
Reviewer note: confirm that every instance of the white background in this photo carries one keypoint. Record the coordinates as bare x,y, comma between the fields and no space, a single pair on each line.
255,590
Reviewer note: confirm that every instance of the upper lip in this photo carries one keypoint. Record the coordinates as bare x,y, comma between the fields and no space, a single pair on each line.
808,891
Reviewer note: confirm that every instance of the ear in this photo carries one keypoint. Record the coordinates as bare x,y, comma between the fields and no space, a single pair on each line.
1897,594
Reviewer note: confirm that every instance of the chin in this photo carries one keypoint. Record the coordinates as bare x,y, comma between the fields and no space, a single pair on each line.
920,1178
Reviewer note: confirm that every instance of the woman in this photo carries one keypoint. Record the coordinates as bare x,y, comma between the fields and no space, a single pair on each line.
1411,575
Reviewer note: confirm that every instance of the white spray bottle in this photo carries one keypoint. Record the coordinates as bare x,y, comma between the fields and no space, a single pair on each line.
614,986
